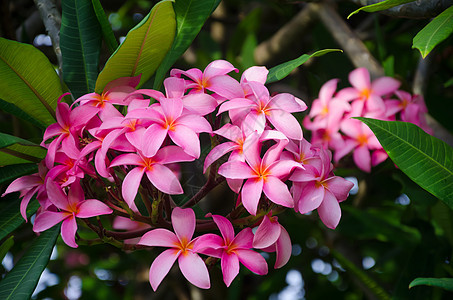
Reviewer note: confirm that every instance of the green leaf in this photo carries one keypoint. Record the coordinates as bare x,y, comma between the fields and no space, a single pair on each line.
16,111
445,283
14,150
435,32
190,17
10,218
281,71
381,6
8,173
80,42
28,80
21,281
107,31
143,49
5,246
425,159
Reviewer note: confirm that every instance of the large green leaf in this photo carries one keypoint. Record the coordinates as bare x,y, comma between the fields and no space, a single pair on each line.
190,17
435,32
16,111
21,281
28,80
445,283
80,42
106,28
8,173
5,247
425,159
14,150
281,71
144,48
380,6
10,218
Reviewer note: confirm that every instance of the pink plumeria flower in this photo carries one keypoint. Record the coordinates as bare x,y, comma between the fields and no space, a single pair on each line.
65,132
71,206
181,247
320,189
232,250
271,236
263,175
326,109
412,109
169,120
213,78
154,168
115,92
367,95
361,140
261,107
28,186
73,168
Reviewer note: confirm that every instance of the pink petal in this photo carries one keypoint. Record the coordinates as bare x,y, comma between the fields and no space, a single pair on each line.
283,168
23,183
252,261
161,266
48,219
378,156
155,133
183,221
251,149
327,90
127,159
194,269
91,208
230,267
348,94
329,211
172,154
266,234
225,227
244,239
130,185
164,179
225,86
277,192
217,152
311,198
362,158
237,103
187,139
385,85
194,74
283,249
229,131
339,187
303,175
255,73
172,108
68,231
174,87
159,237
286,123
251,194
57,196
254,121
287,102
236,170
218,67
195,122
201,104
360,79
208,241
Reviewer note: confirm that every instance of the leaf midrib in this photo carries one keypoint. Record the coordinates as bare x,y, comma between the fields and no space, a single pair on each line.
435,31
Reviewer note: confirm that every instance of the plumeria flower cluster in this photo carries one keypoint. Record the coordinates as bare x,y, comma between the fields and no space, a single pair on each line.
330,116
120,153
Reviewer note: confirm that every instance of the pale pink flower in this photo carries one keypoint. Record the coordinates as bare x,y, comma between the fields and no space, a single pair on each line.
28,186
232,250
70,206
259,107
320,189
263,175
181,247
361,140
271,236
154,168
213,78
169,120
367,95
